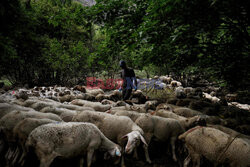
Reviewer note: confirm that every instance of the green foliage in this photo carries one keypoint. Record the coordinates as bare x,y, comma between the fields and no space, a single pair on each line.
47,45
55,41
209,38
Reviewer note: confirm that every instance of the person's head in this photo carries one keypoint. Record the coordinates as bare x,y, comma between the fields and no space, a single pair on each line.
122,64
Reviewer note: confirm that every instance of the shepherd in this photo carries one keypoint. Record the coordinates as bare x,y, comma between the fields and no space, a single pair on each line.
129,80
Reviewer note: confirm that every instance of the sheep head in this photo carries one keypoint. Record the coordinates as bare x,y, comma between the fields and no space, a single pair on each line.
196,120
113,153
134,139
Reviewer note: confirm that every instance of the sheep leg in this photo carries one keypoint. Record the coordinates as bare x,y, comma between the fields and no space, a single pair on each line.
122,162
196,160
194,156
172,142
15,158
146,154
187,161
81,162
148,138
8,153
89,157
21,159
47,160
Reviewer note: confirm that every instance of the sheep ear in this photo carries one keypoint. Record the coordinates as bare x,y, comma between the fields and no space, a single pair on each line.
198,118
109,111
124,137
143,140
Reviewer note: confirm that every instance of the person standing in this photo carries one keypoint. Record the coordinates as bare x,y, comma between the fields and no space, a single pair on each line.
129,80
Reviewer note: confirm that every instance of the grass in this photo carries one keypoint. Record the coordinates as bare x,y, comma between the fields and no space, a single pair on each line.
158,93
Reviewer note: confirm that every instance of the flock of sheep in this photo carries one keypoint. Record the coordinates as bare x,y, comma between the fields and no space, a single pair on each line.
82,124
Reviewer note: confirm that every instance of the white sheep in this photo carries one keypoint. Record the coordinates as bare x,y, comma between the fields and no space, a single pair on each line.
9,121
216,146
179,92
95,105
186,112
211,98
69,140
160,128
186,123
38,104
22,130
95,92
175,84
6,108
65,114
166,79
116,128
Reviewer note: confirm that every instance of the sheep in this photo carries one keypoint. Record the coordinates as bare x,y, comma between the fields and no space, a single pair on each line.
156,77
213,99
160,128
152,104
39,104
95,105
74,107
131,114
95,92
138,94
114,104
114,96
231,97
166,79
66,98
6,108
230,132
22,130
116,128
69,98
9,121
188,90
22,95
175,83
179,92
69,140
80,88
216,146
168,107
186,123
101,97
141,108
106,101
65,114
241,106
186,112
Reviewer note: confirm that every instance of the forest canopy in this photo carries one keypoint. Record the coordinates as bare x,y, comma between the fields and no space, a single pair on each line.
45,42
